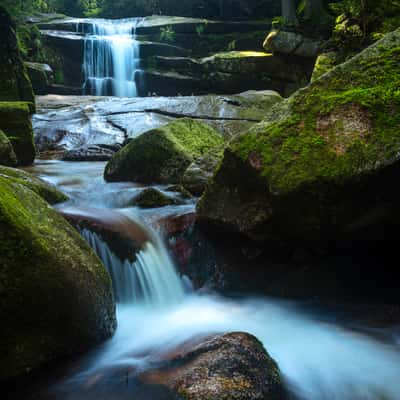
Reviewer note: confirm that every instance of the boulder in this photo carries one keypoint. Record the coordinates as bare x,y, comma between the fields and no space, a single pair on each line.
7,155
45,190
292,43
163,154
16,124
41,76
153,198
56,296
323,162
230,366
15,84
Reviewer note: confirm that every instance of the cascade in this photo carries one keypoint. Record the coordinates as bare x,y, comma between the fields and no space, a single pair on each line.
151,279
111,58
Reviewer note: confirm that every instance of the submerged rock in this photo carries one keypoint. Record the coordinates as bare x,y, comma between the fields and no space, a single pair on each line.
323,162
48,192
56,296
163,154
153,198
230,366
7,155
16,124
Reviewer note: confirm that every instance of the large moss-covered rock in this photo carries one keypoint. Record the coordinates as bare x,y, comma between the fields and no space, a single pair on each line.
324,162
48,192
14,84
16,123
163,154
55,295
7,155
230,366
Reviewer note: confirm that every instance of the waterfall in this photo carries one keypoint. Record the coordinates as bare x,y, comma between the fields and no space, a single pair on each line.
150,279
111,58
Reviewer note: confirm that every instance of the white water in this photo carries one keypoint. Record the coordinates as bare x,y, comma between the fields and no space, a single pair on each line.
150,280
111,58
319,360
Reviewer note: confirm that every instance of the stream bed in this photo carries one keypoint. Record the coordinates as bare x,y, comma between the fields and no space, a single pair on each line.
320,359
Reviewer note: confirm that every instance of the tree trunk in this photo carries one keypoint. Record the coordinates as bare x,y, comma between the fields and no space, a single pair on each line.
314,9
289,10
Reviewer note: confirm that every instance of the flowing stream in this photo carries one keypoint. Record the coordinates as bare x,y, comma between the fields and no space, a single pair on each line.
319,358
111,58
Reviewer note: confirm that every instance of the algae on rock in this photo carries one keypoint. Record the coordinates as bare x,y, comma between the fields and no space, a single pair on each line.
7,154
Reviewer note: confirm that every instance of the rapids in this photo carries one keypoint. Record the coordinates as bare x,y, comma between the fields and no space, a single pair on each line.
157,311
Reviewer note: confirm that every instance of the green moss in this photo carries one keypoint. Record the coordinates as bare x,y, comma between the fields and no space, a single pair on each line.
37,185
163,154
16,123
293,150
51,284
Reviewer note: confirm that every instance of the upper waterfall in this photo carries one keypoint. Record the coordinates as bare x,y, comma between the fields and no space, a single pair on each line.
111,57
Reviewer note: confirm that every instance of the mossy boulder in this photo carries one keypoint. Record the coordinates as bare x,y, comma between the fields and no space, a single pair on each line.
16,123
323,163
163,154
230,366
14,84
48,192
153,198
7,155
55,295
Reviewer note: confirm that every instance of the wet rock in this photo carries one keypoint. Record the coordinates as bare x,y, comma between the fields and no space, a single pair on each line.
230,366
7,155
124,236
15,84
16,123
48,192
181,190
292,43
319,166
153,198
200,171
41,76
163,154
90,153
51,284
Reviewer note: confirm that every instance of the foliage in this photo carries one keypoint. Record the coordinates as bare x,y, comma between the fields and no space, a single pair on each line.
167,34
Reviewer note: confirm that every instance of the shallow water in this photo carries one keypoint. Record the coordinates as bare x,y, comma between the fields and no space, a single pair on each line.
319,358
